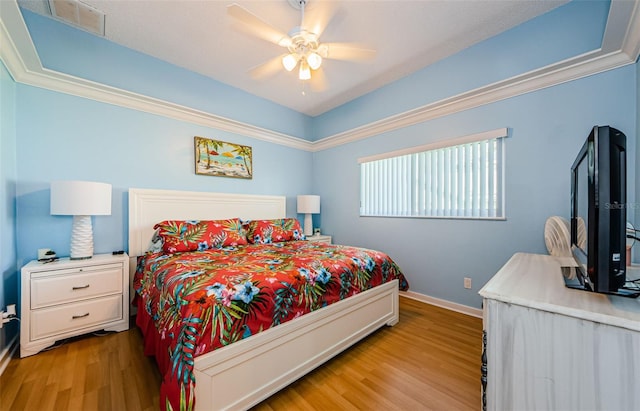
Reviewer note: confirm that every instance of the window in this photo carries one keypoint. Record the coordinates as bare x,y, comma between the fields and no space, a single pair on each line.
460,178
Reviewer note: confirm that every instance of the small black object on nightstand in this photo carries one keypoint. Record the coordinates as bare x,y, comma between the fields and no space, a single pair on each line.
119,252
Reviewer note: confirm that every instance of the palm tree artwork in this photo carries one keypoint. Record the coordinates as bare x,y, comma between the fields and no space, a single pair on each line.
223,159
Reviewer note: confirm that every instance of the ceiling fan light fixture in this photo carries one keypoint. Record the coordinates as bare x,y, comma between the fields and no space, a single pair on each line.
289,62
304,73
314,60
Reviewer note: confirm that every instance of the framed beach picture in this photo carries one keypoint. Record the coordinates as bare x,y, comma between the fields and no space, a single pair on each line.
219,158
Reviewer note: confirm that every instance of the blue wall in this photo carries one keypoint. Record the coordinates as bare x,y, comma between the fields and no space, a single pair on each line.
8,266
548,128
58,136
66,137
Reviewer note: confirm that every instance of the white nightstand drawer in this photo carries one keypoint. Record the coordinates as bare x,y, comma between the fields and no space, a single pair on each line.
74,285
70,317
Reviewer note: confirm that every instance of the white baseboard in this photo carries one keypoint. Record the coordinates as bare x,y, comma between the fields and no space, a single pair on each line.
7,353
464,309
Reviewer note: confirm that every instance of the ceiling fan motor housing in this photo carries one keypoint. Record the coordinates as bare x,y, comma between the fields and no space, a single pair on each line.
302,42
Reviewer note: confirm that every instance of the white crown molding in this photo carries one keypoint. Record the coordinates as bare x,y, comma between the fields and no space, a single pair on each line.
631,40
16,48
621,46
63,83
572,69
21,59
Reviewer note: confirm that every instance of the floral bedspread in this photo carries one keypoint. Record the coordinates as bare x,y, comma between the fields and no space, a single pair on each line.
195,302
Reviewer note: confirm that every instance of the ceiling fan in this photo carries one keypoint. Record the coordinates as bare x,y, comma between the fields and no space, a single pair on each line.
304,49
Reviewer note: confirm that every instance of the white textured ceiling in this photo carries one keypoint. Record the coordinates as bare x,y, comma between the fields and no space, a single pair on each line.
407,35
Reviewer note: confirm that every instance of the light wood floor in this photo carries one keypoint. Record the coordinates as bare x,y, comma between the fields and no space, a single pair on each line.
429,361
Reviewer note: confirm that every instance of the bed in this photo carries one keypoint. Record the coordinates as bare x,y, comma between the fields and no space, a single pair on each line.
262,358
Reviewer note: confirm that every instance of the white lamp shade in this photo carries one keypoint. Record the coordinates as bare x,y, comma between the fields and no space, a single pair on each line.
80,198
308,204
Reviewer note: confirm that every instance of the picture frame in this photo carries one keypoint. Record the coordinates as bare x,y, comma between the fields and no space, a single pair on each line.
222,159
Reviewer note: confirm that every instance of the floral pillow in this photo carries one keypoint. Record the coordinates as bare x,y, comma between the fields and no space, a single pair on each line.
274,231
192,235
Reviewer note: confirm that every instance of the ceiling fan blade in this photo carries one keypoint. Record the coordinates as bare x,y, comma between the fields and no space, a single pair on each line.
257,26
267,69
318,82
318,17
345,51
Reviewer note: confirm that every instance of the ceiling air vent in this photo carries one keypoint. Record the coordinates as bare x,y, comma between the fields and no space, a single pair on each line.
79,14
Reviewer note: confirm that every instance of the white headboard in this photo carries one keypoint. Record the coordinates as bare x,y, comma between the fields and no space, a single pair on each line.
148,207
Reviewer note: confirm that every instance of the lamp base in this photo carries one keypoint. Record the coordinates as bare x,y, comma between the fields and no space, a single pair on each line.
81,238
308,225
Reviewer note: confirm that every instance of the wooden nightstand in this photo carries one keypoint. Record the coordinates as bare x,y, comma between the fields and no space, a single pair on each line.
320,238
67,297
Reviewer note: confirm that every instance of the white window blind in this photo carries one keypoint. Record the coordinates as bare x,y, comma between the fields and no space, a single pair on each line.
460,178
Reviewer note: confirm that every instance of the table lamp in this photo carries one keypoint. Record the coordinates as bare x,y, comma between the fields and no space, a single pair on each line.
81,199
307,205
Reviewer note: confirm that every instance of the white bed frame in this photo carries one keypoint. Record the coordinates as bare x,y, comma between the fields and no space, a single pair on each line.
268,361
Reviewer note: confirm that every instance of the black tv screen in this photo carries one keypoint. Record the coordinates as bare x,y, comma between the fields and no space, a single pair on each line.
598,211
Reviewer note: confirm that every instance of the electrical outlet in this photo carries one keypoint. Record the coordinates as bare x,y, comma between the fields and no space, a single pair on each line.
467,282
11,310
10,314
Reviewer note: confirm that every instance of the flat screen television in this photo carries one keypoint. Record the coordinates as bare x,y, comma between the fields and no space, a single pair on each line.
598,213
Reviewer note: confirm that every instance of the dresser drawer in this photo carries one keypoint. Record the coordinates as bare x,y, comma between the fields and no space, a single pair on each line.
60,319
74,285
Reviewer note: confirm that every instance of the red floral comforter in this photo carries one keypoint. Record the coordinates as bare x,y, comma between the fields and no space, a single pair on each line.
194,302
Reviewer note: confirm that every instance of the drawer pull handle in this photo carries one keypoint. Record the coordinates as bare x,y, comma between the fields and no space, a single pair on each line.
75,317
81,288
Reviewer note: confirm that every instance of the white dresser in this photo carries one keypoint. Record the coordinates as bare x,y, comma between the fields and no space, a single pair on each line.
553,348
66,298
